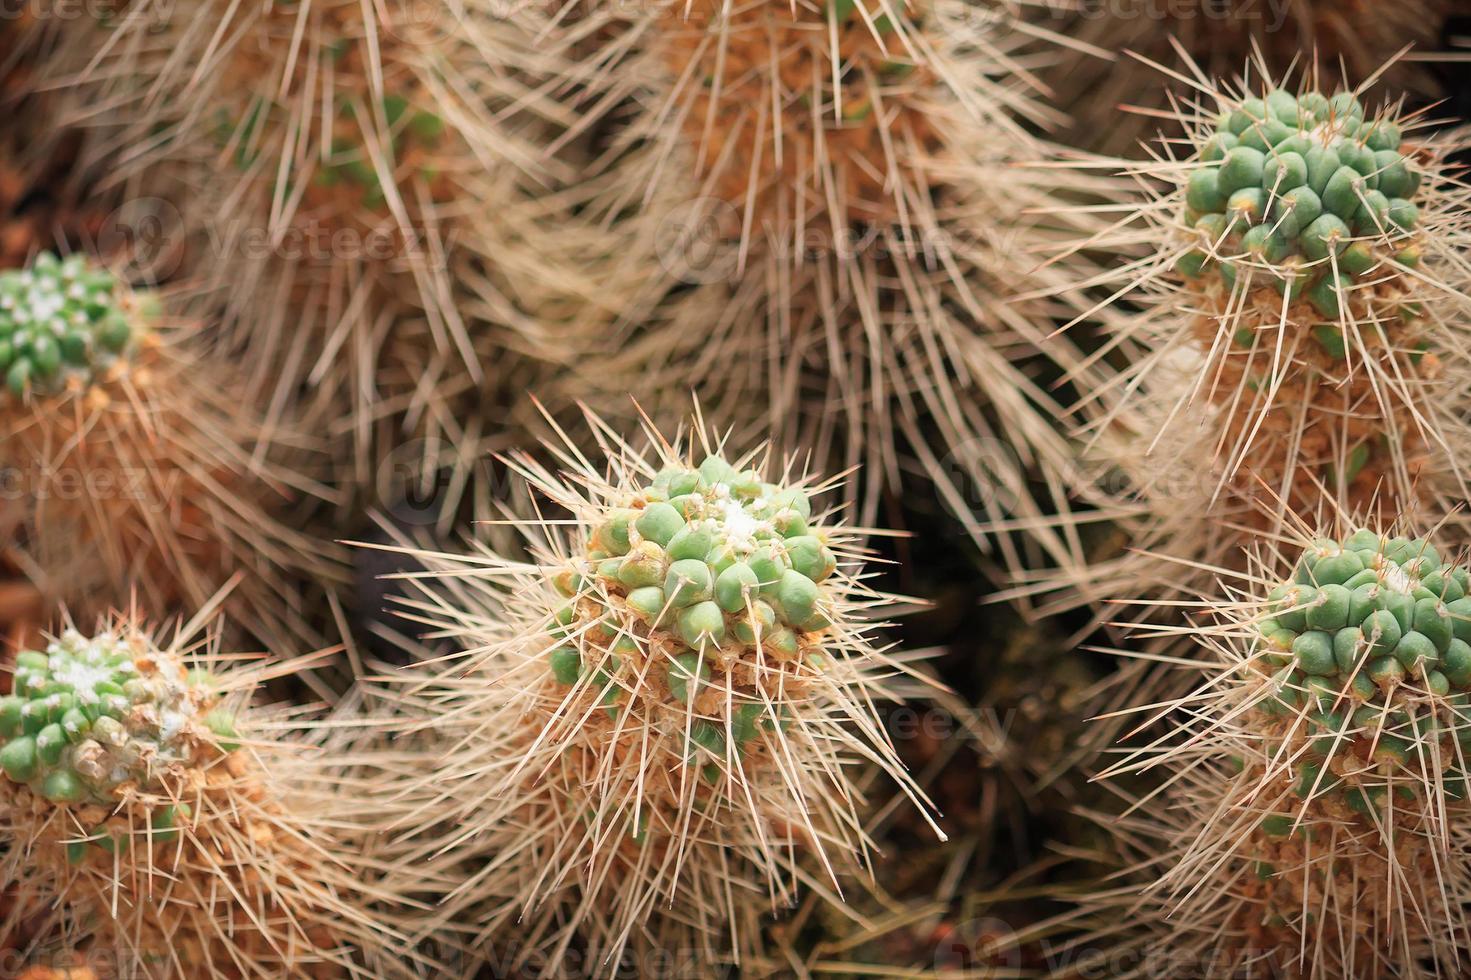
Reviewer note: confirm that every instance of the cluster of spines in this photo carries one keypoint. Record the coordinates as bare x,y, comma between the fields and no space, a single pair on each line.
62,319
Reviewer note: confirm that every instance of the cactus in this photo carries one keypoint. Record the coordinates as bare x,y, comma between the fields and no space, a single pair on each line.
62,322
1389,684
1314,816
1299,318
156,829
840,188
1320,292
660,706
139,477
321,174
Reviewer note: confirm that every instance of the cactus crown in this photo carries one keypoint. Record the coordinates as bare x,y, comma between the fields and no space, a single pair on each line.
61,319
1369,642
90,715
711,566
1306,187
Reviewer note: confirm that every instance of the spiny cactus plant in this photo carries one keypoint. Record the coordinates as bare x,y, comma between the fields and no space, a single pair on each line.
344,177
1114,103
831,198
1313,820
155,828
655,722
135,472
1303,302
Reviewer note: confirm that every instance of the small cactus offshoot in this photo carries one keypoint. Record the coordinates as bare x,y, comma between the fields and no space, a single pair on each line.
658,711
155,829
1316,804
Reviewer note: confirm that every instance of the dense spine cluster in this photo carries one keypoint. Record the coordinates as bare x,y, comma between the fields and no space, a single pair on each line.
665,701
829,217
1302,285
152,833
1306,214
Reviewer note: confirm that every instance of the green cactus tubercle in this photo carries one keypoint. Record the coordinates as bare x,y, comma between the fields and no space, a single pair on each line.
713,559
90,715
1304,185
1371,641
60,318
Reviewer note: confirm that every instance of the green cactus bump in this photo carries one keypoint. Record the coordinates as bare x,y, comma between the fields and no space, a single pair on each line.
1308,187
1369,645
90,716
62,319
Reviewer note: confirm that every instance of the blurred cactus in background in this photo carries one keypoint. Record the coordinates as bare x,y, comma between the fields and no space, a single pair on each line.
834,235
341,183
140,476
